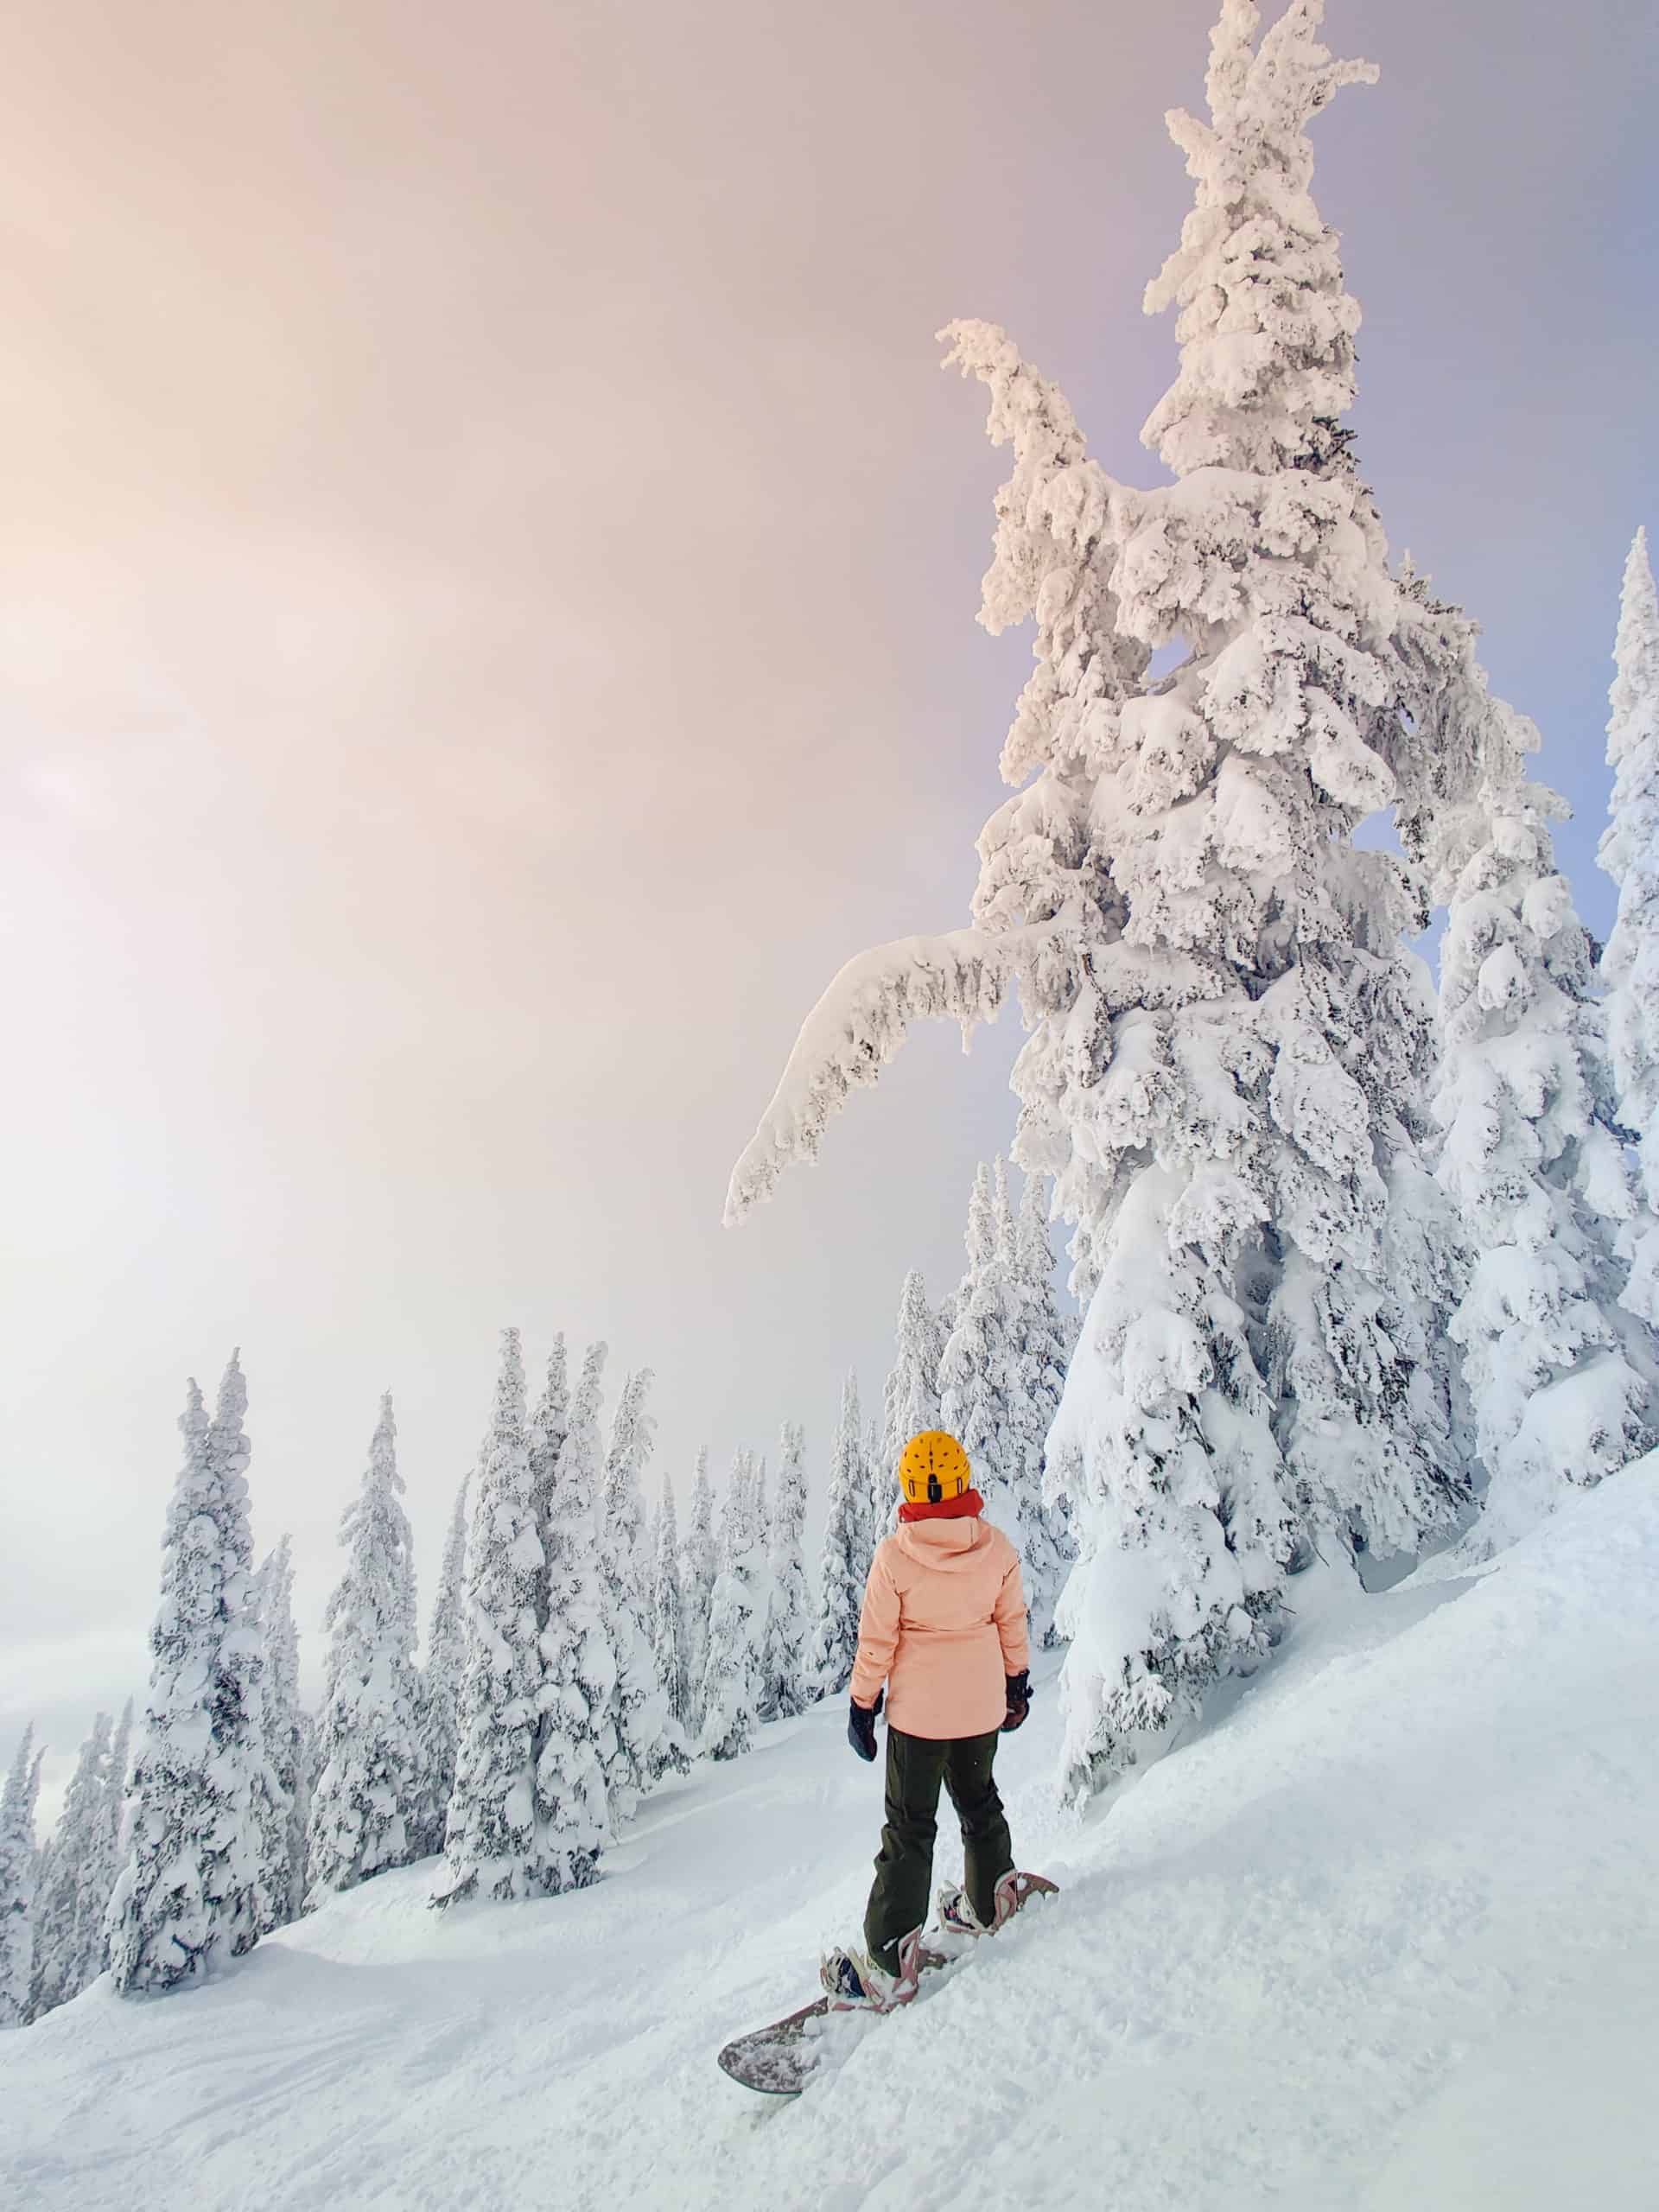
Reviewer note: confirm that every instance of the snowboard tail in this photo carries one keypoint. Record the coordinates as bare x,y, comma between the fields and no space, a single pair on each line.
778,2061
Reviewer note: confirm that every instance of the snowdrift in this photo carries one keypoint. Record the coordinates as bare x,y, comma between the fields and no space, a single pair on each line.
1382,1934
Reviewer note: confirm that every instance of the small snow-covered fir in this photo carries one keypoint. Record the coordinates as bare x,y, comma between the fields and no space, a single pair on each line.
575,1737
437,1724
363,1809
489,1837
1040,1354
644,1745
731,1677
283,1809
910,1399
845,1561
19,1874
188,1896
785,1686
698,1573
67,1942
667,1611
101,1855
976,1357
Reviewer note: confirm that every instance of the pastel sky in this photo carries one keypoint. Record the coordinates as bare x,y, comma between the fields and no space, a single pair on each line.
489,569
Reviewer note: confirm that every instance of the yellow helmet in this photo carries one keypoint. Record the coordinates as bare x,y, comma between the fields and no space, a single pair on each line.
932,1467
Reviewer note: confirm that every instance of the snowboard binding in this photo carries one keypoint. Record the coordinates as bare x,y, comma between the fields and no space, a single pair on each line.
956,1914
854,1983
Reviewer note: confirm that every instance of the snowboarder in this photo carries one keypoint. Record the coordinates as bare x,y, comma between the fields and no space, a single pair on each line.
943,1628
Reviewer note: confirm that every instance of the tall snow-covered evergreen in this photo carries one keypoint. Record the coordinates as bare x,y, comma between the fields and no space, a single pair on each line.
1630,853
490,1834
1557,1376
187,1898
440,1685
644,1748
575,1728
18,1874
1230,1051
668,1615
786,1686
845,1561
68,1953
363,1812
741,1601
281,1810
698,1576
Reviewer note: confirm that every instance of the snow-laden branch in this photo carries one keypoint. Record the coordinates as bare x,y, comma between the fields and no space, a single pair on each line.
862,1020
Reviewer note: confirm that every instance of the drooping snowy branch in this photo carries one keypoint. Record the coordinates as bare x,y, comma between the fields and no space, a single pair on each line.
863,1019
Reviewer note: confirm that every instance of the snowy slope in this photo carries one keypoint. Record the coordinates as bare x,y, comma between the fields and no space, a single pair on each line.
1384,1935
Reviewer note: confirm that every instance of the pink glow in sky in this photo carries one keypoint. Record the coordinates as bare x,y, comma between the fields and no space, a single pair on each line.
489,570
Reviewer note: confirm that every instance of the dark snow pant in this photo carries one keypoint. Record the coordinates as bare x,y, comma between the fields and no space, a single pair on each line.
904,1866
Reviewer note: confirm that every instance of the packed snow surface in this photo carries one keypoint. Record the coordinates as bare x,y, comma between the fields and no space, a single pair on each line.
1381,1933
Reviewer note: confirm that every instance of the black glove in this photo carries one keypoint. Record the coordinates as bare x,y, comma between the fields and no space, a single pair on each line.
861,1725
1019,1700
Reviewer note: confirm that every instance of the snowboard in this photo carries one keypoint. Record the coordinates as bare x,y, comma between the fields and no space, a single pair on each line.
779,2060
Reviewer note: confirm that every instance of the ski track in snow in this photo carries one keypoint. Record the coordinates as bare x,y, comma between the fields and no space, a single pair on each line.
1382,1936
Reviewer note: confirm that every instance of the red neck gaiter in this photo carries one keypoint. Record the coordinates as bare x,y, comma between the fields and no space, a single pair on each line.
948,1508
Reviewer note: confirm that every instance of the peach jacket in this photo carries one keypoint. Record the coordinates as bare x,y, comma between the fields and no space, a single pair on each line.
944,1625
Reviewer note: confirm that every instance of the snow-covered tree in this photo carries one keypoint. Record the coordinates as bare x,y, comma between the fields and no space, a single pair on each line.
67,1951
731,1677
101,1862
189,1894
19,1872
623,1525
440,1685
786,1686
976,1361
365,1802
879,1510
1229,1050
490,1833
282,1810
550,1422
1629,966
697,1577
645,1746
845,1562
668,1614
574,1735
1558,1380
1039,1353
910,1399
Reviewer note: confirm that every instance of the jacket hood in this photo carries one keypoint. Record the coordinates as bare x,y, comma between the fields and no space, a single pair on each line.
944,1544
